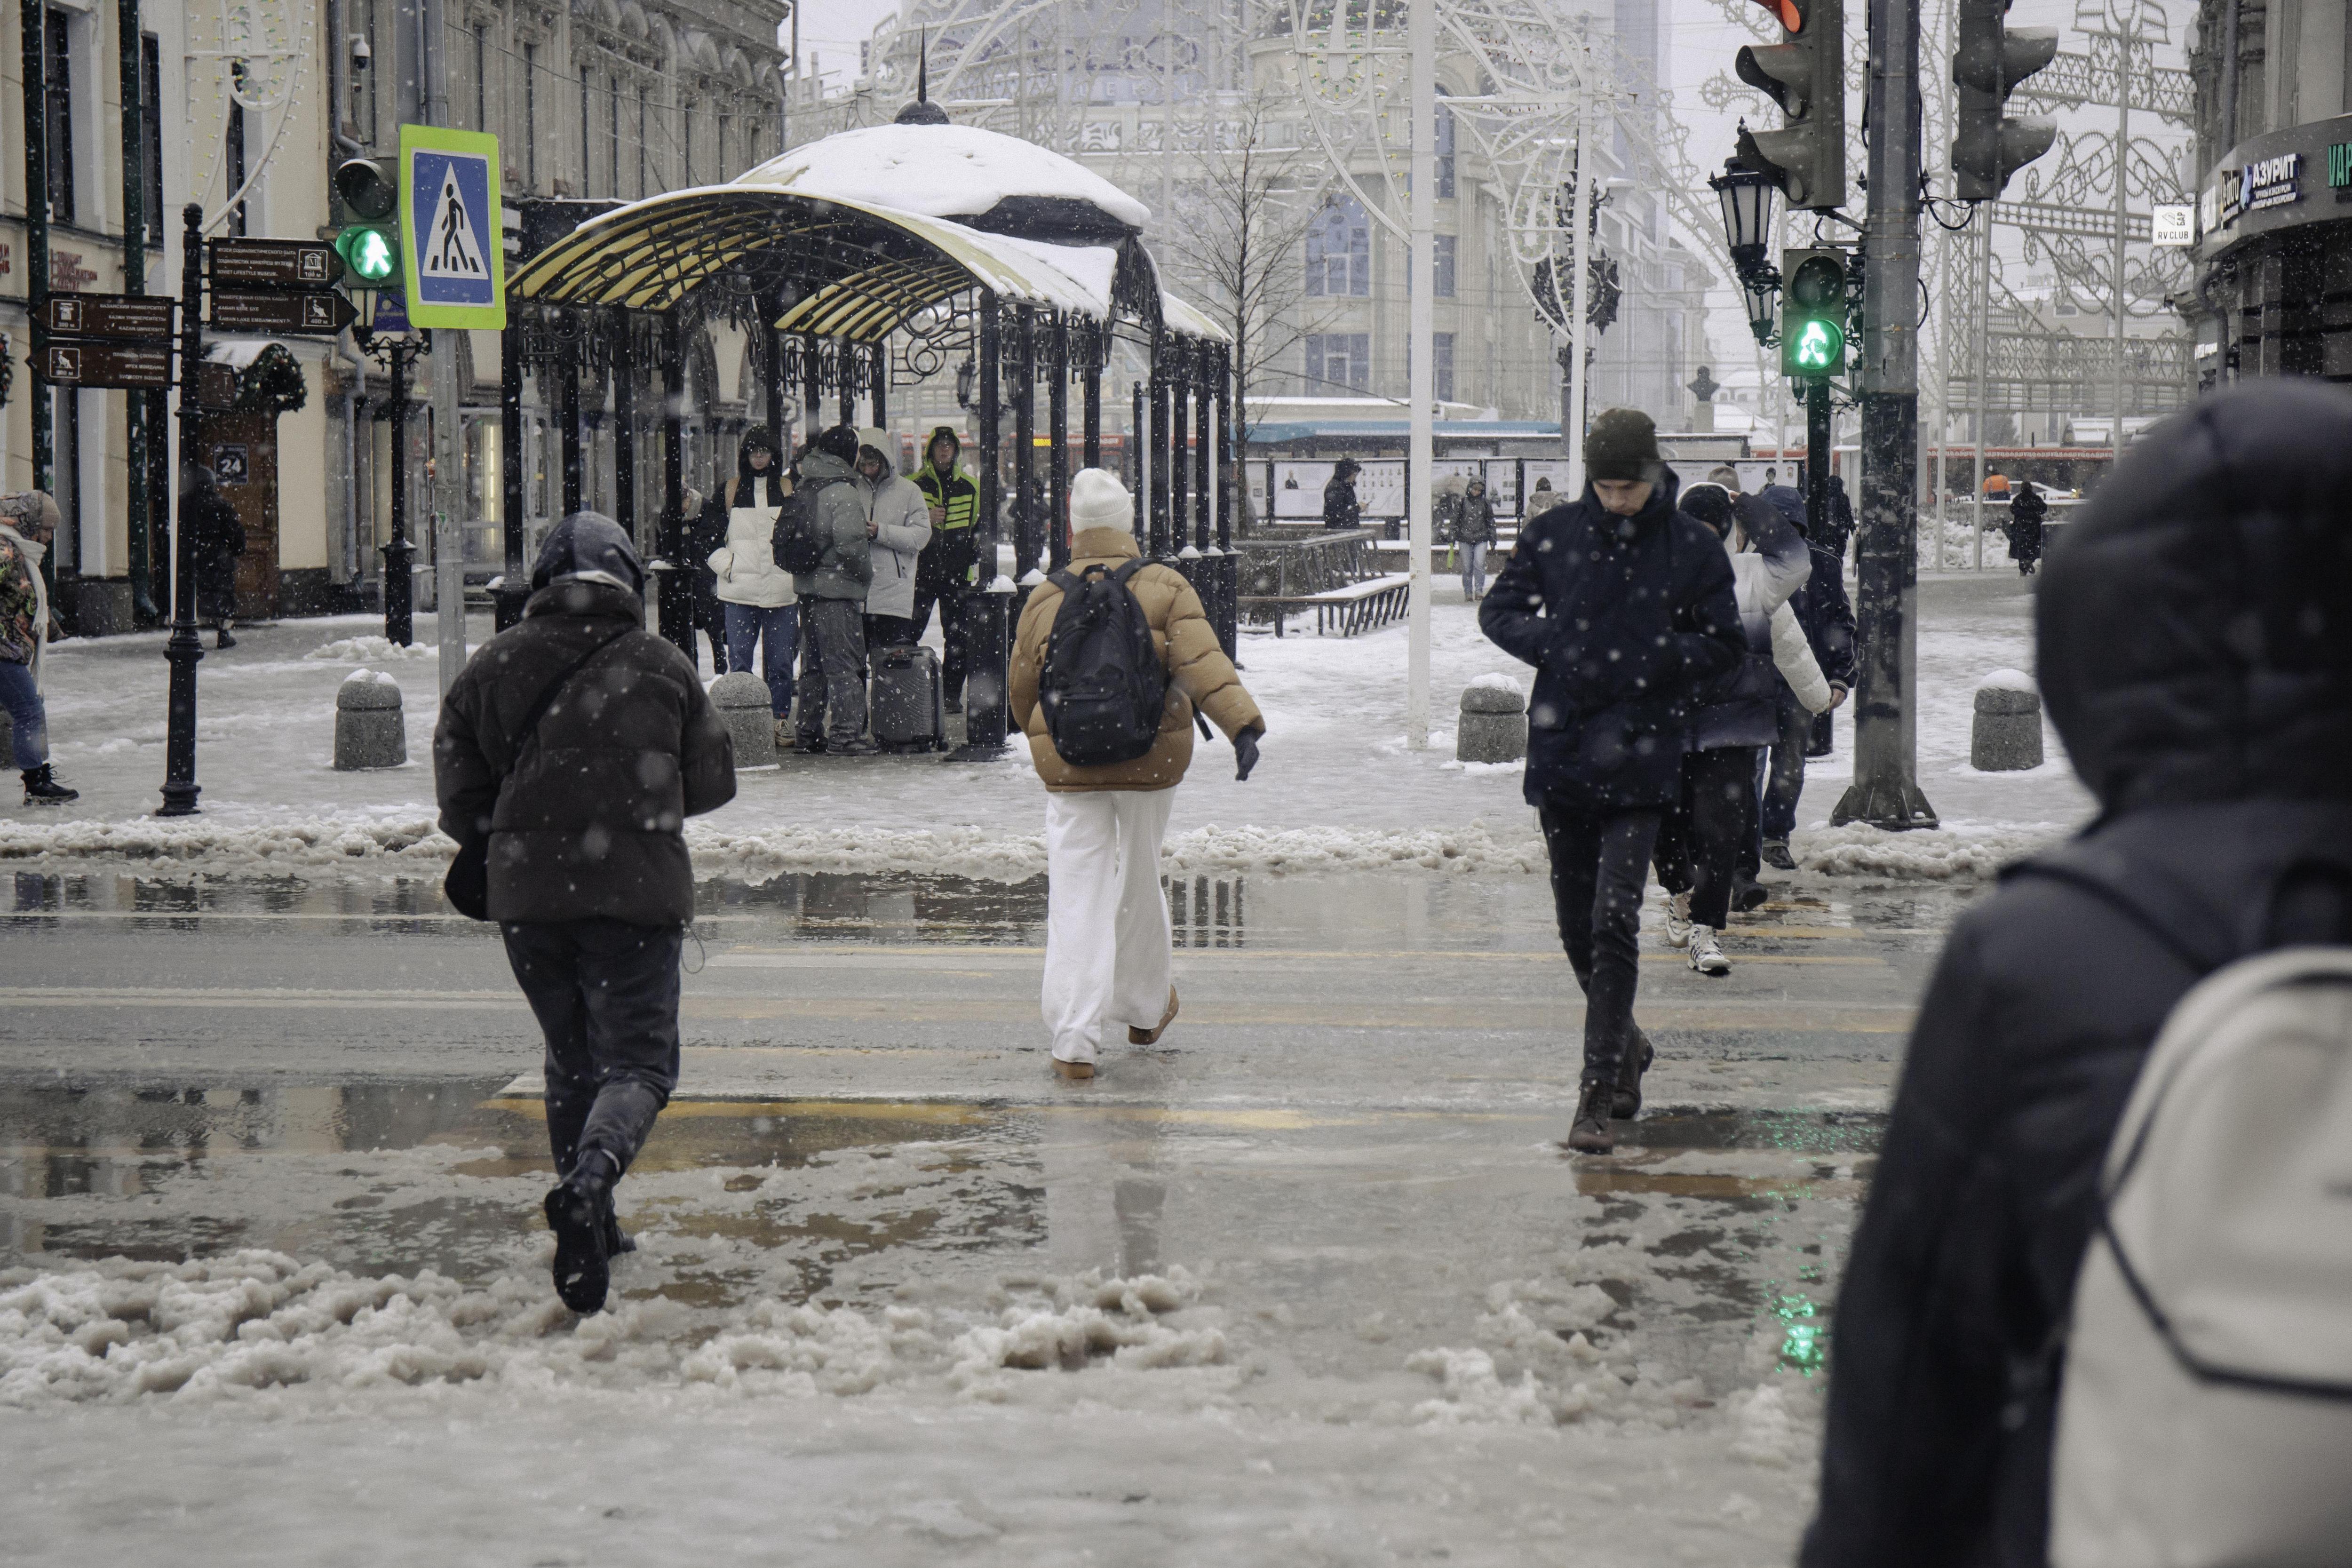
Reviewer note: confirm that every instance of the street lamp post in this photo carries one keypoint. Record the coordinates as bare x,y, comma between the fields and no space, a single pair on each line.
185,649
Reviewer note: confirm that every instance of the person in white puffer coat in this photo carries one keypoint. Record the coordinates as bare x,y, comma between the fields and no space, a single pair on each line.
1699,841
753,594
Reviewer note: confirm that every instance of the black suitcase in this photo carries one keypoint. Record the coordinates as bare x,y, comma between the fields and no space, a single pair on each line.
909,715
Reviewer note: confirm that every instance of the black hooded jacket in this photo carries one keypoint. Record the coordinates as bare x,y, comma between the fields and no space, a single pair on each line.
585,816
1627,619
2195,645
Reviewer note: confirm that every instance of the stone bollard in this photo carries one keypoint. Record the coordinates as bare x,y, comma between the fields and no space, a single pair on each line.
742,699
2007,734
370,731
1494,726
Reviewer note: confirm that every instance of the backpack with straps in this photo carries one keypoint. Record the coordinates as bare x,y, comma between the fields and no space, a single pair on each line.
799,541
2205,1411
1103,687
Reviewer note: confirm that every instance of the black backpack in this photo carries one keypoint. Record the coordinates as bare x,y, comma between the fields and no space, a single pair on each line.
799,541
1103,687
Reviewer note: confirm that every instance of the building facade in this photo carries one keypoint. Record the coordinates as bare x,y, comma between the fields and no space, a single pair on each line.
2274,189
246,109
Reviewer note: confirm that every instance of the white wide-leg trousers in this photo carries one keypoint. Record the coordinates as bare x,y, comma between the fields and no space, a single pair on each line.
1106,919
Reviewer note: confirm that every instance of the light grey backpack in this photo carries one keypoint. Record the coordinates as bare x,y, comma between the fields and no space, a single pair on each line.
2206,1413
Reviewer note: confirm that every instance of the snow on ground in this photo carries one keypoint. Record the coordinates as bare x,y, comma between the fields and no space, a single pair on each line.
1337,788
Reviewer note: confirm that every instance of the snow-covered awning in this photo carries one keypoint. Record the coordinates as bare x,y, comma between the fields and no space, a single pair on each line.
1187,323
983,178
861,268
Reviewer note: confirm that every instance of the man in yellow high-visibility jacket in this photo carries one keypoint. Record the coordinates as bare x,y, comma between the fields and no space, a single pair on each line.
947,567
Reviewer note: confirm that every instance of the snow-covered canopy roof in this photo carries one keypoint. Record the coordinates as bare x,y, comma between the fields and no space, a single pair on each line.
980,178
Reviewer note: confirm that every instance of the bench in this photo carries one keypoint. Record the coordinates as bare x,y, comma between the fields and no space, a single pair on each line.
1355,607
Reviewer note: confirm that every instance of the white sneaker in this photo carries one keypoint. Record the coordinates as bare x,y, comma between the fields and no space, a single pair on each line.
1678,920
1704,955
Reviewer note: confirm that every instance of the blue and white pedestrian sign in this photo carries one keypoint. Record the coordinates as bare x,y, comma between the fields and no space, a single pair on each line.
451,223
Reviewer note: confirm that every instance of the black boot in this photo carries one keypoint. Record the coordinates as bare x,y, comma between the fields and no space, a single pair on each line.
1590,1134
1635,1061
41,788
579,1212
224,639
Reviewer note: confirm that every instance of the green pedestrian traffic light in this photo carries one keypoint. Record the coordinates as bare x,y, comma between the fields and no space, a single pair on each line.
367,191
1812,313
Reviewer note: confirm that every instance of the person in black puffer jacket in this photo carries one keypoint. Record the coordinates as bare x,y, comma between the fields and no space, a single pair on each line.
589,879
2194,640
1624,607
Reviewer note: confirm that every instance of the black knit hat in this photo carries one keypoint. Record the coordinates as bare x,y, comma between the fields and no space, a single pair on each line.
841,442
1622,445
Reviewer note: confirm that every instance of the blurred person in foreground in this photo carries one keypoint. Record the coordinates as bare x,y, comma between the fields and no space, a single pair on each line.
2194,638
576,743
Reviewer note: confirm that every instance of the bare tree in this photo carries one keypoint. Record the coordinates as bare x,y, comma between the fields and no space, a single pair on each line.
1241,222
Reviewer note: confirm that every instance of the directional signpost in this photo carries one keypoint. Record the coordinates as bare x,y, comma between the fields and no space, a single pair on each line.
258,312
105,340
274,263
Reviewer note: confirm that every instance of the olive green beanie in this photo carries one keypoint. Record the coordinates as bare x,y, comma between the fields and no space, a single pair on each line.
1622,445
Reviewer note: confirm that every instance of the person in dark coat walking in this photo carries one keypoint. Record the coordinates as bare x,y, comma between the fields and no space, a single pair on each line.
2193,648
1826,612
698,537
1624,607
1474,533
1339,508
1837,524
216,539
2026,511
589,879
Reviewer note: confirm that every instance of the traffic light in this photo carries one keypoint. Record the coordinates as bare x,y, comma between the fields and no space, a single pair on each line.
369,243
1806,77
1987,65
1812,313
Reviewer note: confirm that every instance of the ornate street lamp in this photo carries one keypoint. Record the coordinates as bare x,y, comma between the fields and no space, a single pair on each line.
1747,197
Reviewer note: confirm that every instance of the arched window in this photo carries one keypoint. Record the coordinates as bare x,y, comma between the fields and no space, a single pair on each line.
1340,251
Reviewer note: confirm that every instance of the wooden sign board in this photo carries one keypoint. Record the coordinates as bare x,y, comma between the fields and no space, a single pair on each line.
280,312
132,365
142,317
274,263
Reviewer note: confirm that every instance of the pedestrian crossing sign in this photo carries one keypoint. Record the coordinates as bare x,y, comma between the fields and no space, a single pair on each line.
450,222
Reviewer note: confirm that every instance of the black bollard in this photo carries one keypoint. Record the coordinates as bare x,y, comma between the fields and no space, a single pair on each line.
398,627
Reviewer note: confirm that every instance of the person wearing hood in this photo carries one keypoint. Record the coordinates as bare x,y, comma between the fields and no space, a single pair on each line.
1474,533
832,719
1339,508
28,521
897,528
945,571
756,597
216,540
1837,525
2194,644
1701,835
588,877
1624,606
1106,937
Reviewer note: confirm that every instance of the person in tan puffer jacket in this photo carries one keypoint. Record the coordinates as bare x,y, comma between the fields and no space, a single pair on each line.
1107,939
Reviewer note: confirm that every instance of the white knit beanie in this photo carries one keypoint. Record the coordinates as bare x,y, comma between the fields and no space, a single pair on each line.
1098,501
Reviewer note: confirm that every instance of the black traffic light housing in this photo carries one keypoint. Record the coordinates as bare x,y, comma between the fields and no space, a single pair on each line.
1812,313
1806,77
367,191
1987,63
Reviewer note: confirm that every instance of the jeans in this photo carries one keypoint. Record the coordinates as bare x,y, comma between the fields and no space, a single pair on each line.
833,673
605,995
1600,863
1699,841
1474,569
1786,781
950,602
26,711
778,629
1105,918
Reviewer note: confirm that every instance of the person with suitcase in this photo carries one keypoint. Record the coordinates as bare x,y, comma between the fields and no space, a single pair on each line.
1113,658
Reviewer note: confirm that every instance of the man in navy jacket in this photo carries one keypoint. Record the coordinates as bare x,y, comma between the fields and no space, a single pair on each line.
1624,607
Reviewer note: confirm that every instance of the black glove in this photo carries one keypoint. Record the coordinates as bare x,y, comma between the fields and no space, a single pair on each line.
1245,753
